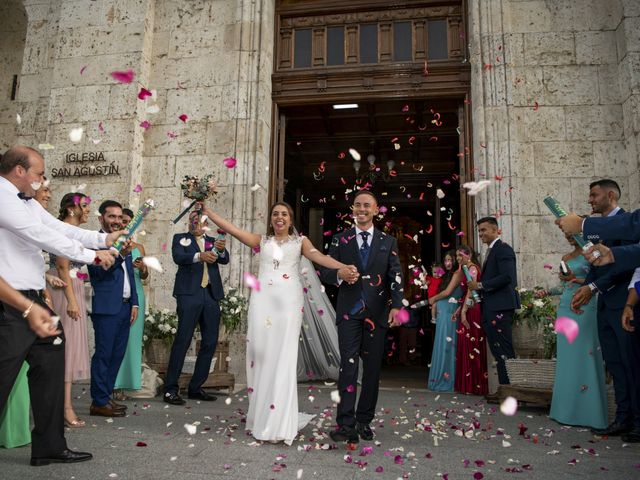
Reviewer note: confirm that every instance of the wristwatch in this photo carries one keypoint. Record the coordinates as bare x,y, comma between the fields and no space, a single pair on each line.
479,286
593,288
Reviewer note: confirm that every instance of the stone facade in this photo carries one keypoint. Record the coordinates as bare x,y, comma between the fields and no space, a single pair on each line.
555,100
555,97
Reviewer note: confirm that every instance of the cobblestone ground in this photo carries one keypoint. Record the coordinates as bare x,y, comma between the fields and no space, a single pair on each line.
419,435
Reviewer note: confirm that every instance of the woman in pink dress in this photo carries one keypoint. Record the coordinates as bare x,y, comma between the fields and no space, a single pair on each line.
69,303
471,354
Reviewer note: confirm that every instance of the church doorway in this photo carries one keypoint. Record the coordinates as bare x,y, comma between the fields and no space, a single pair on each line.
377,95
409,153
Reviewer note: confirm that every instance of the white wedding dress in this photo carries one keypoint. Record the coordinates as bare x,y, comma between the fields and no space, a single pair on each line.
275,317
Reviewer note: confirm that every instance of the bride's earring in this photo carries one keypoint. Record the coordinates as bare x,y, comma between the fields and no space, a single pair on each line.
71,214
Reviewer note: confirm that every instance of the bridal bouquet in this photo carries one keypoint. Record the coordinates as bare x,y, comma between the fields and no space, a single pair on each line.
196,189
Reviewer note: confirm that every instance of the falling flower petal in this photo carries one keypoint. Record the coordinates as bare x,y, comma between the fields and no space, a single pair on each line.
509,406
124,76
57,341
144,93
548,266
184,118
153,109
18,119
355,154
153,263
229,162
251,281
568,327
439,193
75,135
335,396
256,187
137,188
476,187
145,124
83,69
402,316
45,146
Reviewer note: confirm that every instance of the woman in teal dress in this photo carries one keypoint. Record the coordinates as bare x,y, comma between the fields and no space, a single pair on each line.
130,373
443,308
14,420
579,395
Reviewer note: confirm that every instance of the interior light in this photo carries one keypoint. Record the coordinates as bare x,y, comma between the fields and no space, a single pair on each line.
343,106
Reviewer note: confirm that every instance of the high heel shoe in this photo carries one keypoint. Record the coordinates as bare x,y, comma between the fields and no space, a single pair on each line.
77,423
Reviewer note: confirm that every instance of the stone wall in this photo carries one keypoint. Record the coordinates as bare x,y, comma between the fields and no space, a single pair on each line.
208,59
554,97
13,31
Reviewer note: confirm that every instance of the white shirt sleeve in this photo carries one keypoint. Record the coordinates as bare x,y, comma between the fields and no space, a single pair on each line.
88,238
635,278
23,221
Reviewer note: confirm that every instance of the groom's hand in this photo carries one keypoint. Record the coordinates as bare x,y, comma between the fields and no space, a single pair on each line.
349,274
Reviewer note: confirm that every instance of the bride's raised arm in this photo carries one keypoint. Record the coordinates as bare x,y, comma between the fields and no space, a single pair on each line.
317,257
250,239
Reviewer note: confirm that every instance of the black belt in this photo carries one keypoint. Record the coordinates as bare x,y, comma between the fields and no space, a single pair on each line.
32,293
126,300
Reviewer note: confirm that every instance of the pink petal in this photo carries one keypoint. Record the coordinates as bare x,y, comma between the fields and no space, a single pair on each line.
83,69
82,276
379,469
478,476
143,93
229,162
172,135
398,460
548,266
251,281
137,188
568,327
351,389
183,117
145,124
124,76
402,316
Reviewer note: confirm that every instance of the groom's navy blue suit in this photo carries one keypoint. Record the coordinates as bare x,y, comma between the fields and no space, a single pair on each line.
195,305
362,317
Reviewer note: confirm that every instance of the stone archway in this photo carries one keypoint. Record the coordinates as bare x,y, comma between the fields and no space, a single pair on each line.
13,31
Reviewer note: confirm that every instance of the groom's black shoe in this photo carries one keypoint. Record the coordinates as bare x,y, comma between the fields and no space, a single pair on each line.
344,434
364,430
613,430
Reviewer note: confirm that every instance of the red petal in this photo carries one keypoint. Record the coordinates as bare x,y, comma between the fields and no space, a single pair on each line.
143,93
124,76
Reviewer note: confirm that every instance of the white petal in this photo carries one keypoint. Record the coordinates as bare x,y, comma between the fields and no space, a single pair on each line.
75,135
191,429
153,109
57,341
45,146
335,396
509,406
439,193
18,118
256,187
355,154
153,263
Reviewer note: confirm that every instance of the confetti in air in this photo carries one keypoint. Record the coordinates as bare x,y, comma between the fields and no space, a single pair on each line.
568,327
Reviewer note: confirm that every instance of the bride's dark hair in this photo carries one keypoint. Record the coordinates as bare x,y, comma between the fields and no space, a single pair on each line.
270,231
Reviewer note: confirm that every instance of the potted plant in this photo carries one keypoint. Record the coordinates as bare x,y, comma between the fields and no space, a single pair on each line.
538,313
534,339
160,327
233,311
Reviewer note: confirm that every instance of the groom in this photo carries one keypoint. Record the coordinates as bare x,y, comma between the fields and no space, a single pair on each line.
362,313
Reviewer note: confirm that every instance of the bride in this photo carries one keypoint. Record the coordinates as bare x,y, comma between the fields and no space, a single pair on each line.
275,317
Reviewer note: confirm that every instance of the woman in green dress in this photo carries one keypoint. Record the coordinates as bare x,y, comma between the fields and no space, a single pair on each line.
130,373
579,395
14,420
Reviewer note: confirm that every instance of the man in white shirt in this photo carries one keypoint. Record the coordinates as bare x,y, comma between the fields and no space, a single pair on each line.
25,229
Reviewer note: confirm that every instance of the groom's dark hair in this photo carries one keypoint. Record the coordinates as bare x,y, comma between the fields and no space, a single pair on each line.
364,191
489,220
